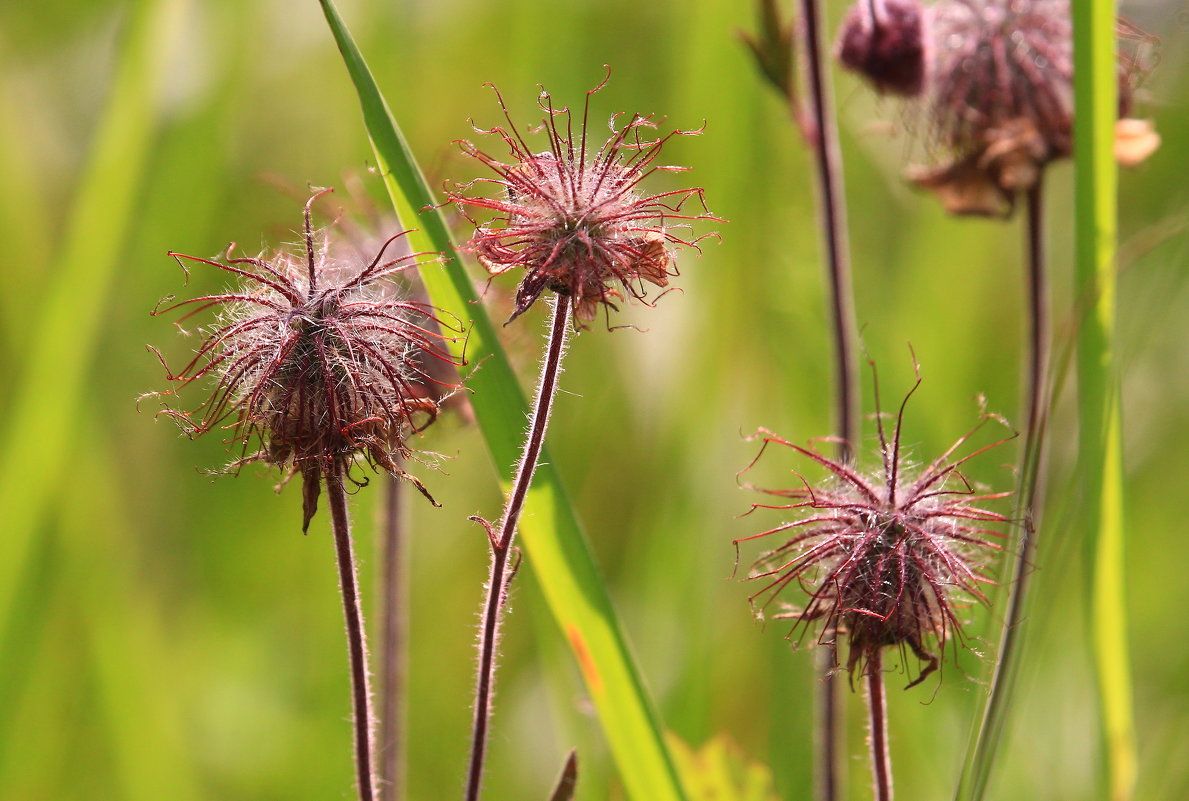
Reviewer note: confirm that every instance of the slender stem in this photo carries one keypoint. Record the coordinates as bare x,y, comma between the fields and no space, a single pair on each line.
1038,326
1036,402
877,708
828,163
356,641
394,632
828,710
832,206
501,541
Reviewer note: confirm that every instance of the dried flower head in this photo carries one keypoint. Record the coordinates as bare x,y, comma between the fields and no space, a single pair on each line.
1000,97
576,220
314,360
883,40
887,558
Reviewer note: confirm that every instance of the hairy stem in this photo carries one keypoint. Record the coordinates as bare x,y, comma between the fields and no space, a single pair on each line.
981,754
356,641
877,708
394,631
501,541
823,140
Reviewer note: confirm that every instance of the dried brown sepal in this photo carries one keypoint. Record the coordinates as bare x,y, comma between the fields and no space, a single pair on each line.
1135,141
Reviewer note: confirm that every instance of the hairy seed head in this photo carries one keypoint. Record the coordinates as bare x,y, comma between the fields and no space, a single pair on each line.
999,97
887,558
314,360
574,218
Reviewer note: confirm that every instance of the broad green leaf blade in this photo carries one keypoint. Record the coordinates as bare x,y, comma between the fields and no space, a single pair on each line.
1100,441
557,549
44,411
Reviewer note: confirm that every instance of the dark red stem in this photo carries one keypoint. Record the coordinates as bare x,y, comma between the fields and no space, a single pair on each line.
1036,400
501,542
1038,330
823,140
356,642
393,627
877,708
828,164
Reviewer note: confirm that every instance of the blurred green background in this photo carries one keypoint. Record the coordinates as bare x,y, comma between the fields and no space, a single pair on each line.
166,635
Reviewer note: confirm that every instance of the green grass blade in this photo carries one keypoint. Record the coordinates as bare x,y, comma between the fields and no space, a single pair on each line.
44,407
556,547
1100,445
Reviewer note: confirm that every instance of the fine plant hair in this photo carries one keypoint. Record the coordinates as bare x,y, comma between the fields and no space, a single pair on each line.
316,364
775,51
575,220
887,559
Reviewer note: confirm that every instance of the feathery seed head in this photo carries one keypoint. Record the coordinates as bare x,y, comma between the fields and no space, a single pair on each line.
887,558
576,220
314,360
999,96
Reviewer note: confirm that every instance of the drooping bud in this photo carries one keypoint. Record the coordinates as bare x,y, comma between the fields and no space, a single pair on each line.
884,41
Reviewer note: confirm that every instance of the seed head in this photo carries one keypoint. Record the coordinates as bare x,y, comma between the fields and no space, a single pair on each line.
575,220
1000,97
887,558
883,40
314,360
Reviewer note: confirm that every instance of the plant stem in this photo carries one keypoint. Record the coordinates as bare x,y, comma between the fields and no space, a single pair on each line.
356,641
823,140
501,541
828,162
1100,423
981,756
881,760
394,631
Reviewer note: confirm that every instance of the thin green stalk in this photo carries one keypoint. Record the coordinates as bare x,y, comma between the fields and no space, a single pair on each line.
1100,441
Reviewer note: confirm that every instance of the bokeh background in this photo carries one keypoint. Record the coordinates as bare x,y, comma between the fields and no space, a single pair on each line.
164,634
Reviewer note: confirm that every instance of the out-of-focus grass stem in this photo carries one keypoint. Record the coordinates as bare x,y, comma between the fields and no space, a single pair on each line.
393,638
1100,440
